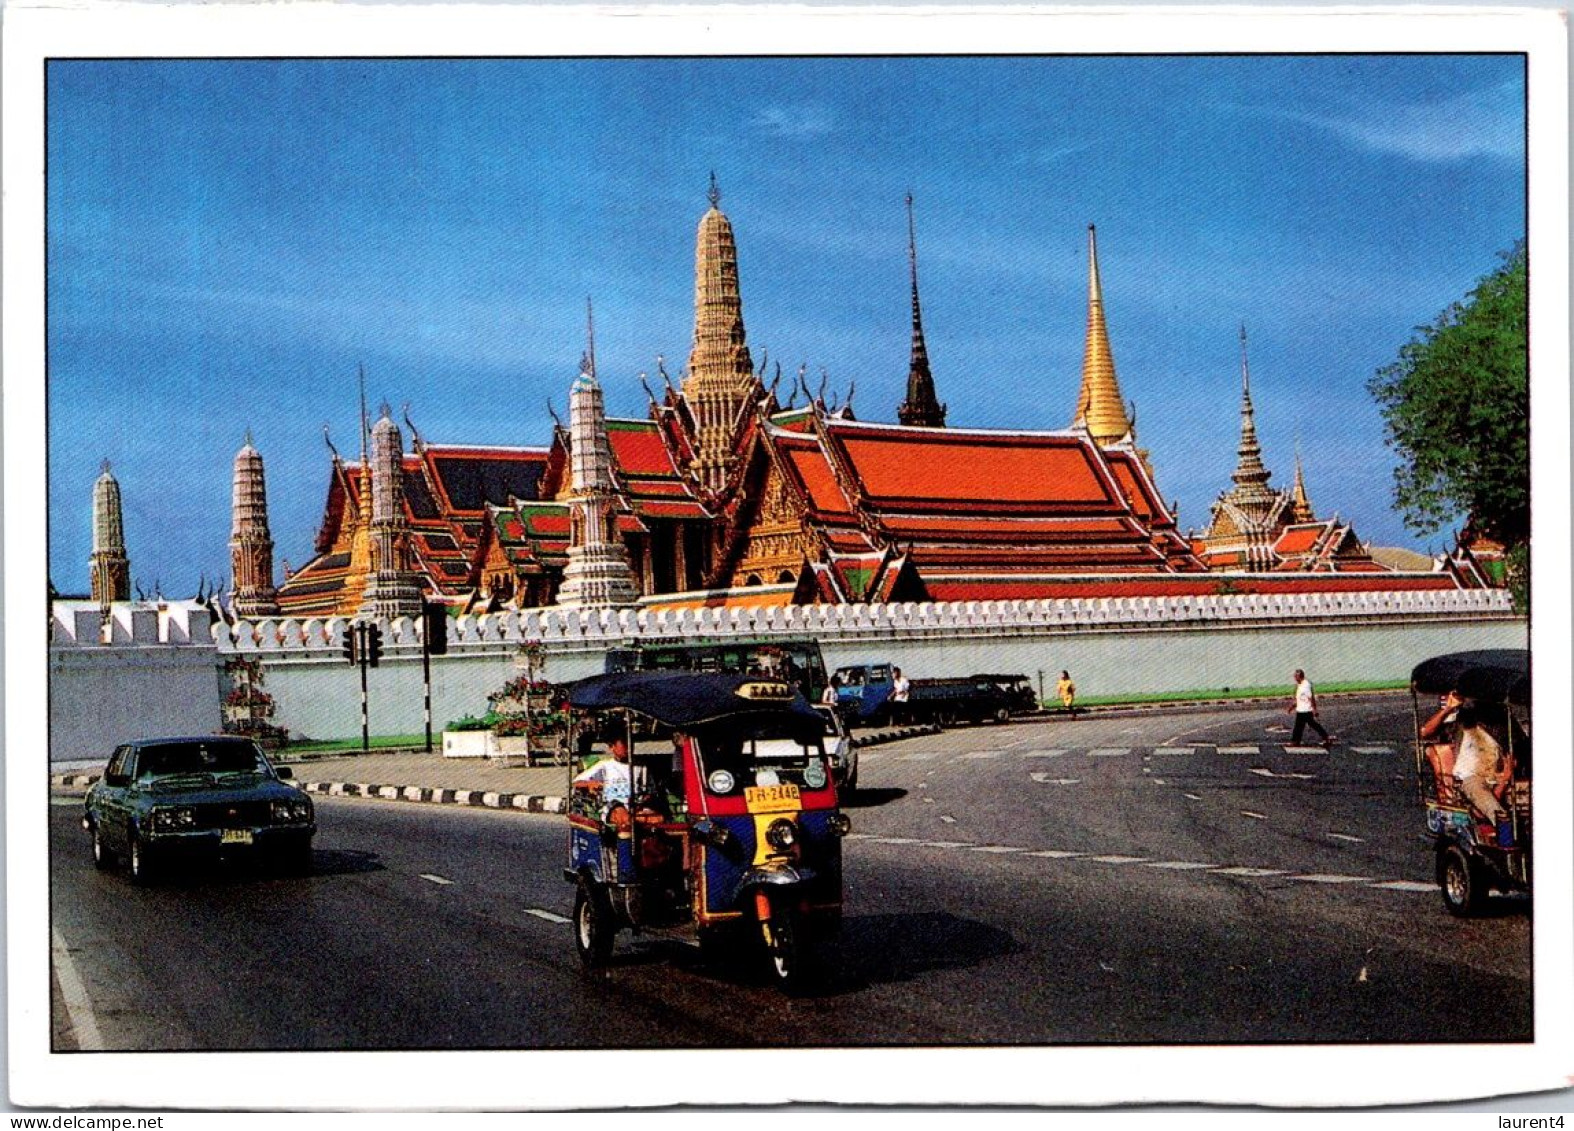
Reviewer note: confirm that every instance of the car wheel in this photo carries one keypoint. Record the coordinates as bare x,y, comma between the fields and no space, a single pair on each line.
139,861
593,926
103,858
1002,715
1461,881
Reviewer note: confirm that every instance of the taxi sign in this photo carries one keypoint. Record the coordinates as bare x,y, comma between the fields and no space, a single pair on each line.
765,689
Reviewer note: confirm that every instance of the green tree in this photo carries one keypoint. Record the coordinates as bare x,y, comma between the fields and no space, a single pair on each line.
1457,406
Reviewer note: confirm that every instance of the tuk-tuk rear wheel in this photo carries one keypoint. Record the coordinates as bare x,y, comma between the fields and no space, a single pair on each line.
593,926
1462,882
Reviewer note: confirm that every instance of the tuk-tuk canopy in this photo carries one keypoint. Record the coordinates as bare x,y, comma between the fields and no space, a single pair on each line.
1492,675
687,699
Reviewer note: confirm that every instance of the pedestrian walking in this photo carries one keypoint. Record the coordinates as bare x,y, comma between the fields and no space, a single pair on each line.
1068,694
1304,708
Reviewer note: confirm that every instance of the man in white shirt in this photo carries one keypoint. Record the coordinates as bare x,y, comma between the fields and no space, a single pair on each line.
1305,710
901,688
610,775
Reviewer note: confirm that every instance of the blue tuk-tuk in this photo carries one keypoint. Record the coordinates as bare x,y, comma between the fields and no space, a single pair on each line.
1474,854
712,817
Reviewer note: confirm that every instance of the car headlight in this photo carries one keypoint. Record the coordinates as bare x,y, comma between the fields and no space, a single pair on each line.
170,820
292,812
781,834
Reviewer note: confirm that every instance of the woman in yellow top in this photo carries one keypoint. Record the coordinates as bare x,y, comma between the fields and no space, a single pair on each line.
1068,693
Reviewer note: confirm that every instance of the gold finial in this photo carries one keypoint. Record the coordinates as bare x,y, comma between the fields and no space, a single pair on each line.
1100,407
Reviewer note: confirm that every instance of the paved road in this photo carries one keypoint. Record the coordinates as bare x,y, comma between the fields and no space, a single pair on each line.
1161,879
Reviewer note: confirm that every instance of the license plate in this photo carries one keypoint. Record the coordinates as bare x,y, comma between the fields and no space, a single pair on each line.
756,796
235,836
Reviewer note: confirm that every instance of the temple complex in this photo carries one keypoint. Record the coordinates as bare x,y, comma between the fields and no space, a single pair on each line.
1257,529
108,565
725,494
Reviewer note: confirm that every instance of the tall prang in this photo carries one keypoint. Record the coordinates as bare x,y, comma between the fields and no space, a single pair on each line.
108,564
720,380
921,408
394,589
598,572
251,545
1100,408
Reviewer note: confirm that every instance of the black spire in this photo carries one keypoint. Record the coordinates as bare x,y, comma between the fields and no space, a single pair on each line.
921,408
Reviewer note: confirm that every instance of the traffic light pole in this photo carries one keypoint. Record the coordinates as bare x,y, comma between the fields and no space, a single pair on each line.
426,673
366,719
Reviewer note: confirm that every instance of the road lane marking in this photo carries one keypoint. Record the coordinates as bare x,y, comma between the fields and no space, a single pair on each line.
436,879
1042,753
73,994
1326,878
1254,816
1192,796
1200,866
549,916
1110,752
1271,774
1305,750
1348,837
1252,750
1045,779
1173,751
1373,749
982,754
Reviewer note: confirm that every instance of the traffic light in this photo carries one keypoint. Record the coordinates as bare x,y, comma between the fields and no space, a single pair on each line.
347,648
374,644
436,630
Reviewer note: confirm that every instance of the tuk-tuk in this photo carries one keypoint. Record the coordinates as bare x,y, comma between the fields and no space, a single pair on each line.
723,827
1474,854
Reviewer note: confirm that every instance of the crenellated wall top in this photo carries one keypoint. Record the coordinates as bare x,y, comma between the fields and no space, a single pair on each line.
600,628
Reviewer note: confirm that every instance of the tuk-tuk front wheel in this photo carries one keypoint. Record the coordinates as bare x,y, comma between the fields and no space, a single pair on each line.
593,926
1462,881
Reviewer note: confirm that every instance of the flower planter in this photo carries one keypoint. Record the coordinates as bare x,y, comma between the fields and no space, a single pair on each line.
467,743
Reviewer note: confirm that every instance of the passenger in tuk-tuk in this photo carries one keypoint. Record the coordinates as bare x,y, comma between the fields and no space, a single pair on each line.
1479,764
609,776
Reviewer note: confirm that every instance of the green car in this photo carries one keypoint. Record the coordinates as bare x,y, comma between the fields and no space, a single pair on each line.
164,799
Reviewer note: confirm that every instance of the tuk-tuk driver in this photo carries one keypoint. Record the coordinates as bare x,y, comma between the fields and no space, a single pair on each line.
610,775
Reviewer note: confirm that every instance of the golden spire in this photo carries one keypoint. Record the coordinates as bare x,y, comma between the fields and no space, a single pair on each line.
1299,501
1099,406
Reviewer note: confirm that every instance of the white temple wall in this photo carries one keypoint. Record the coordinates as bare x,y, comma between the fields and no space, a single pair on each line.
1111,646
157,674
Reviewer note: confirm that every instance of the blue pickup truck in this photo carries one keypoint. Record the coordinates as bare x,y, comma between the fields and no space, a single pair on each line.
863,697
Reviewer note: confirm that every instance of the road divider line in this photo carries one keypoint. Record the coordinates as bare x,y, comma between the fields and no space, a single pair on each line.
1109,752
1373,749
1172,751
1404,885
79,1007
1043,753
436,879
1236,750
1348,837
997,848
1254,873
549,916
1326,878
1179,865
1056,854
1118,859
1254,816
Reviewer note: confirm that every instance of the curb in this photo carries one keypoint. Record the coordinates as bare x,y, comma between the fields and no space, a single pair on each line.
432,795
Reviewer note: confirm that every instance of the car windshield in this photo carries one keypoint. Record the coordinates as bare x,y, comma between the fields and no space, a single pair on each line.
200,758
734,759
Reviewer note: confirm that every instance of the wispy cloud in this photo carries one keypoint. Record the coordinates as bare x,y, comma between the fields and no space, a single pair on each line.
1478,123
803,121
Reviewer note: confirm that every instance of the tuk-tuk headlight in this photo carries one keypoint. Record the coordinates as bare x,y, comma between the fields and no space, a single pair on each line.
781,835
840,824
720,781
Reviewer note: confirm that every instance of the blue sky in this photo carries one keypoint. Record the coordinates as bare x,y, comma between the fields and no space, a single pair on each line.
230,241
